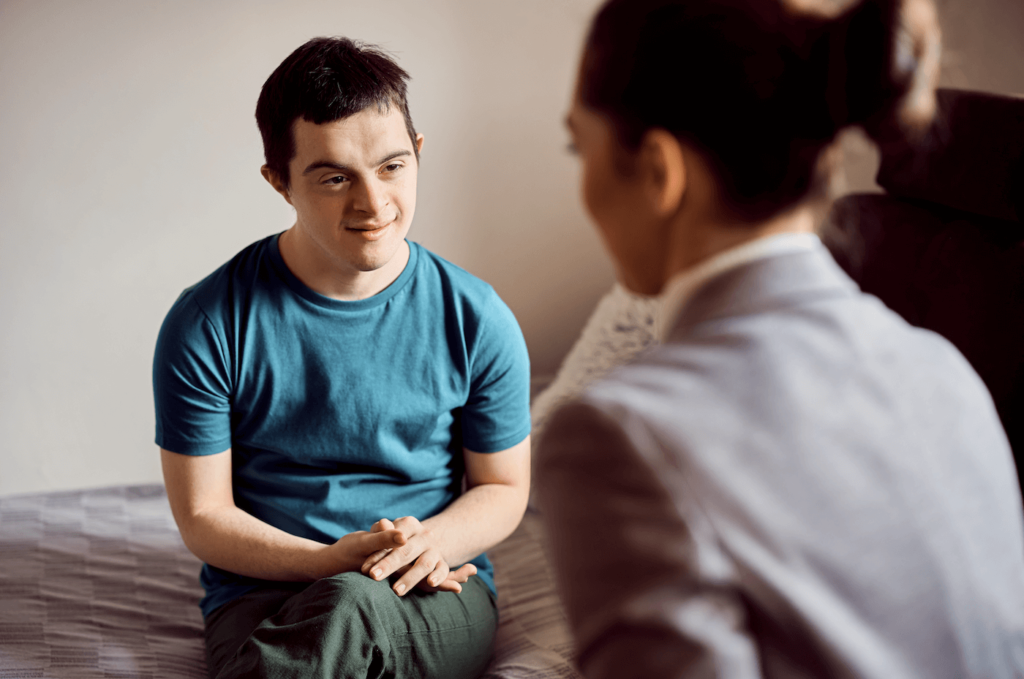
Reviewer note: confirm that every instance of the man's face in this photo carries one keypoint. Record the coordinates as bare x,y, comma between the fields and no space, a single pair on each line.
353,187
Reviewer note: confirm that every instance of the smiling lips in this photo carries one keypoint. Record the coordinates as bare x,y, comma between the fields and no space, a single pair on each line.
370,232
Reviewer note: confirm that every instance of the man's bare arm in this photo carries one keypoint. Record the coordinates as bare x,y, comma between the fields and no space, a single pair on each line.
498,486
222,535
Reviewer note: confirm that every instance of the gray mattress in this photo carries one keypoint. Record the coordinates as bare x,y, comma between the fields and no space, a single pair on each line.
97,583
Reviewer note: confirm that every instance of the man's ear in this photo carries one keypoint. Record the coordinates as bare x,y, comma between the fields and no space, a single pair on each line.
274,180
419,143
663,166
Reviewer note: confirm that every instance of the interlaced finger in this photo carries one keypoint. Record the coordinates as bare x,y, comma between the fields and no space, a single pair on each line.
463,573
453,583
373,559
424,565
415,545
392,561
434,580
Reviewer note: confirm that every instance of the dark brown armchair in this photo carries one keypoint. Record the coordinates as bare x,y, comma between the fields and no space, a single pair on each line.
944,246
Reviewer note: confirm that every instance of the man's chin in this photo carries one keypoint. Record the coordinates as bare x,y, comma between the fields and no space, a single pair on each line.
377,255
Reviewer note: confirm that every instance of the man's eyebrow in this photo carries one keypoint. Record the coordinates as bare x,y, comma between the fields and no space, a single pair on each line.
331,165
394,154
320,164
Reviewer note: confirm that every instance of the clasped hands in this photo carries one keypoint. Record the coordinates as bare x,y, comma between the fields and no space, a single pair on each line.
405,547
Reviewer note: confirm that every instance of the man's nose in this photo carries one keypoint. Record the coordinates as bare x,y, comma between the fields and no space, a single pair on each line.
371,197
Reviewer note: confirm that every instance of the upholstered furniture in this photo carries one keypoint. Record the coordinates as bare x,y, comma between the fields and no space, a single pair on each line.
944,245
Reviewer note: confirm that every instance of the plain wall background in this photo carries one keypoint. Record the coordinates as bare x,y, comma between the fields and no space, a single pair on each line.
129,169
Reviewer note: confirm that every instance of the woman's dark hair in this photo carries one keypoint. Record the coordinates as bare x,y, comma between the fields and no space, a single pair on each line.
324,80
758,87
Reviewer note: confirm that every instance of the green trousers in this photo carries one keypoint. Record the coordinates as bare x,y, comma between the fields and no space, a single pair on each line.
349,626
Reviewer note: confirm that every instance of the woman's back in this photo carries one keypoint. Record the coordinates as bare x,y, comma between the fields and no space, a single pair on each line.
815,488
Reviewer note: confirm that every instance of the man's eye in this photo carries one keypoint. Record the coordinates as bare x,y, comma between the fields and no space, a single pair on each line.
336,180
392,167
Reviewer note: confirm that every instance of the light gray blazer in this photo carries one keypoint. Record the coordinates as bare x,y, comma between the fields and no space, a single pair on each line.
797,484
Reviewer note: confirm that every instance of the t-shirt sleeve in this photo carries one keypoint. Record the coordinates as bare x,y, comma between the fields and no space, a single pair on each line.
497,414
191,385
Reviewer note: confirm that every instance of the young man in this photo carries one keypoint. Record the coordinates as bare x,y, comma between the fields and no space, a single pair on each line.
321,396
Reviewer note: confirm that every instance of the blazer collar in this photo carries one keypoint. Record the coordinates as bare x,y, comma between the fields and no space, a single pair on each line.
766,284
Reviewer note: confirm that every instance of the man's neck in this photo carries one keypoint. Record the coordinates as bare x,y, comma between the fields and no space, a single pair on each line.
331,279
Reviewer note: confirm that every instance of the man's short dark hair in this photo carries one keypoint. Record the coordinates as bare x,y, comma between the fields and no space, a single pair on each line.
324,80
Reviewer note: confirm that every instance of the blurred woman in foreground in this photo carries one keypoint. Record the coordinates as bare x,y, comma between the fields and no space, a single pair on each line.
796,483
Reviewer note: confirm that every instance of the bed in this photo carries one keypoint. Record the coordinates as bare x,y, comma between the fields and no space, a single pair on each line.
98,584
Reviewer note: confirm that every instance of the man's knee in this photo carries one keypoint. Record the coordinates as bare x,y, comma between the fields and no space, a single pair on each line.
348,595
338,626
351,625
354,585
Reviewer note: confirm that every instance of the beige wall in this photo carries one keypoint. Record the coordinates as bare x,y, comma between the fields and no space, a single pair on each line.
129,169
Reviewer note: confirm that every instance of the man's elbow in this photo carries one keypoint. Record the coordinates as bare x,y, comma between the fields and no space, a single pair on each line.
195,527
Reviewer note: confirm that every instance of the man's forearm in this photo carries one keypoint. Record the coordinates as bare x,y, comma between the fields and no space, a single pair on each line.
231,539
222,535
483,516
480,518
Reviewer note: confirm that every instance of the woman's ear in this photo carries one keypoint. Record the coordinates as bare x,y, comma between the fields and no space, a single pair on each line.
663,171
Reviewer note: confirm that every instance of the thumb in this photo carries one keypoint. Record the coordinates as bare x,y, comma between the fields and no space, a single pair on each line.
382,525
385,539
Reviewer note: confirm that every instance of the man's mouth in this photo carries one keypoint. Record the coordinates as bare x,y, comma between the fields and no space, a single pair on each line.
373,231
370,227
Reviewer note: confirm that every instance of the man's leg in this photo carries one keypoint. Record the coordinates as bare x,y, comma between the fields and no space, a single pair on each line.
231,624
351,626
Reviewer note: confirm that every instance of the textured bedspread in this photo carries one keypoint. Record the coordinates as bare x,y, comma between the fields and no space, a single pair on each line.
98,584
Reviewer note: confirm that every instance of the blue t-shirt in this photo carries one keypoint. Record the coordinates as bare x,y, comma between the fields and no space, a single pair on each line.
338,413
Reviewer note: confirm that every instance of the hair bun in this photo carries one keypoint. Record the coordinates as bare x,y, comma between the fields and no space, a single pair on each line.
916,58
883,67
